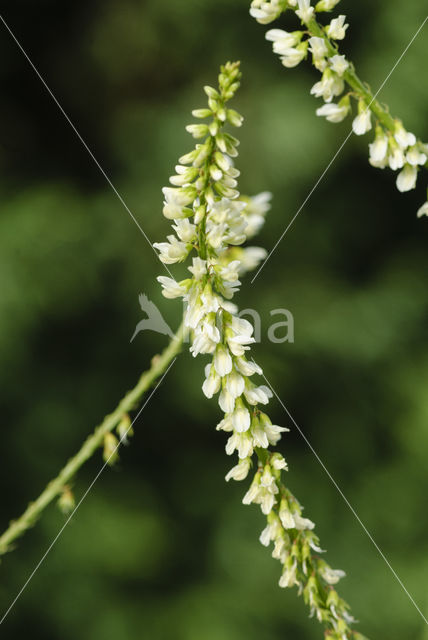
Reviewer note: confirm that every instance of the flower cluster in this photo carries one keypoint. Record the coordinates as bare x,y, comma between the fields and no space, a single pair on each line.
222,221
393,146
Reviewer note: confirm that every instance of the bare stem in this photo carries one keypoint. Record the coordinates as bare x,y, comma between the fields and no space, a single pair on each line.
92,443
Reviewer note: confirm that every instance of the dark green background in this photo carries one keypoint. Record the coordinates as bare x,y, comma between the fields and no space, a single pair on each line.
162,547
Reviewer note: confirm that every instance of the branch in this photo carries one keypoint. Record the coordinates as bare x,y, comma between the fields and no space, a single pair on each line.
56,486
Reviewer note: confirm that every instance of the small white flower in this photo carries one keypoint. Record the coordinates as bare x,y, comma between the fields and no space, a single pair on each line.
404,138
286,518
326,5
242,442
185,230
378,149
172,251
251,257
423,211
362,123
337,28
240,471
235,384
222,360
175,202
247,367
415,157
255,395
329,86
282,40
225,424
199,268
406,179
318,48
396,157
171,288
338,64
302,523
226,401
332,576
333,112
212,383
305,11
241,418
265,12
294,55
288,578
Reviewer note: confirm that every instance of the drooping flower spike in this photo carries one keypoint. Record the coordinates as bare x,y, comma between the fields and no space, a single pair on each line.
393,146
212,221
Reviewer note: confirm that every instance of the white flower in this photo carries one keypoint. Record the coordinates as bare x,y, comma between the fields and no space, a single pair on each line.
286,518
338,64
199,268
212,383
331,576
288,578
294,55
282,40
185,230
362,123
172,251
396,156
175,201
234,383
326,5
226,401
378,149
302,523
277,461
241,418
265,12
305,11
337,28
225,424
171,288
222,360
329,86
247,368
242,442
403,137
318,48
406,179
251,257
423,211
415,157
240,471
333,112
255,395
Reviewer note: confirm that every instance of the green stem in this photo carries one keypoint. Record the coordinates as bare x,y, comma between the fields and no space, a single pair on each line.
128,403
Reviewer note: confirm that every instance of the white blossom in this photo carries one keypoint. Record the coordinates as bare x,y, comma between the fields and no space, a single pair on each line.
283,40
222,360
171,288
240,471
172,251
362,123
423,211
305,11
415,157
338,64
333,112
337,28
406,179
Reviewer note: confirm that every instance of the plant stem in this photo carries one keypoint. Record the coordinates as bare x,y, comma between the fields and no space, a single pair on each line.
92,443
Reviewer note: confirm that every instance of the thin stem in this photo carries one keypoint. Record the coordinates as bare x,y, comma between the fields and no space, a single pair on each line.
92,443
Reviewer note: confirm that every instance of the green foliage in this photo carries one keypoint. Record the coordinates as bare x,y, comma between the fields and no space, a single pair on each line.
156,551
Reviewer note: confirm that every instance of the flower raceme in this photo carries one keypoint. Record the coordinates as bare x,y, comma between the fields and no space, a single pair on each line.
393,146
212,221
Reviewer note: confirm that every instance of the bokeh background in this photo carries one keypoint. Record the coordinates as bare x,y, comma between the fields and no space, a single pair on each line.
162,548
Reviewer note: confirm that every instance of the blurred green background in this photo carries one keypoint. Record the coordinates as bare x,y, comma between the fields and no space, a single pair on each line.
162,548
